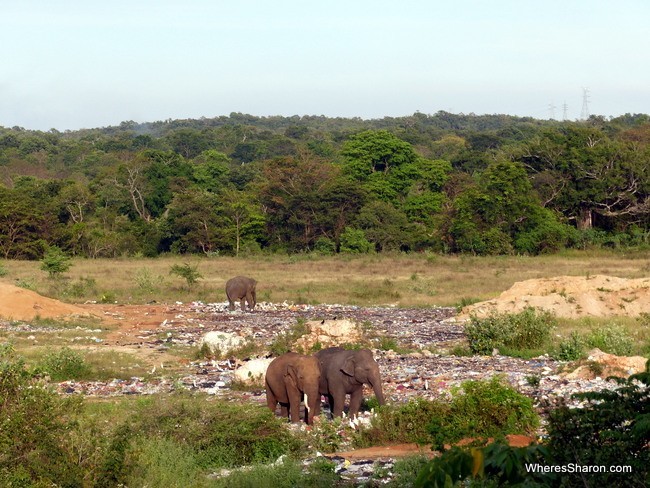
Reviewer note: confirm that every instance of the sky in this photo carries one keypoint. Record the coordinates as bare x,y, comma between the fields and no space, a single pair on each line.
73,64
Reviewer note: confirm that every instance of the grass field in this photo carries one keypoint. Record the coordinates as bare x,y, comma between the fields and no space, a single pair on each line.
405,280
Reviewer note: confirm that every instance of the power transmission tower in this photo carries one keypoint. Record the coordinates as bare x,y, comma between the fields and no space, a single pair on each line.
564,111
551,111
584,114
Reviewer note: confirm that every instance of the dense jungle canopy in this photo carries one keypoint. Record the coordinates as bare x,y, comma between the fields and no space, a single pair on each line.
489,184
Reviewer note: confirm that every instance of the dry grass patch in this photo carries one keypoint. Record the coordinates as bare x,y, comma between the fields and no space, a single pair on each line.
360,280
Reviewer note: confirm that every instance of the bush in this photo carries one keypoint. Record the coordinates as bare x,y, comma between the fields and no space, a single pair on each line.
190,273
611,430
613,340
482,409
64,364
529,329
354,241
570,349
325,246
34,427
478,409
55,262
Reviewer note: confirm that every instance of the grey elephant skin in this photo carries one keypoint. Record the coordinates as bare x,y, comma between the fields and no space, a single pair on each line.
241,288
344,372
290,378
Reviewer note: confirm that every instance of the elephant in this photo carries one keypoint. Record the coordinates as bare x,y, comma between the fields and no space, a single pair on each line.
288,378
344,372
241,288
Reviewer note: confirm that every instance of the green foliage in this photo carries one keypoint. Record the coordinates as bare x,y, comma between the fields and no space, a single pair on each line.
55,262
488,184
34,423
190,273
325,246
612,339
571,348
408,422
64,364
477,410
492,466
285,474
354,241
3,271
611,430
528,329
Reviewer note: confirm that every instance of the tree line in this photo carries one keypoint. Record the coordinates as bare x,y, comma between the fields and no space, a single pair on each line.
237,184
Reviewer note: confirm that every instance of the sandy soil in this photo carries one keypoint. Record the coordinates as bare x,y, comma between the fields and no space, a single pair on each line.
571,297
21,304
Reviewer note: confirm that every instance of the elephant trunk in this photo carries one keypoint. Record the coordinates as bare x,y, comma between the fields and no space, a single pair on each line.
379,393
312,404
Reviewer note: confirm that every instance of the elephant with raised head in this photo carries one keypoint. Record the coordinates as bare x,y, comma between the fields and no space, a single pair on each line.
241,288
290,378
344,372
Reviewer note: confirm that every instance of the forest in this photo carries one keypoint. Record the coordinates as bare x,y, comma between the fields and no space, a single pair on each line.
242,184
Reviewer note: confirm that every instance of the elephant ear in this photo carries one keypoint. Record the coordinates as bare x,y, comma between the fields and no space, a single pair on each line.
292,372
348,366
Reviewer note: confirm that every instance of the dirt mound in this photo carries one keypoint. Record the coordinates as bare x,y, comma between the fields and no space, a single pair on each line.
571,297
21,304
608,365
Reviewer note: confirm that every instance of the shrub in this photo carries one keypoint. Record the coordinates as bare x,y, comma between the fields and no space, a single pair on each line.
611,430
190,273
613,340
64,364
354,241
325,246
571,348
484,409
34,423
55,262
403,423
478,409
495,465
528,329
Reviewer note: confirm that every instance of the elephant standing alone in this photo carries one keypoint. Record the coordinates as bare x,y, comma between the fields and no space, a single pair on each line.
290,377
241,288
344,372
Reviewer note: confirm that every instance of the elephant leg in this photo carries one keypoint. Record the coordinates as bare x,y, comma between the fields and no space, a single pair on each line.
242,303
355,401
231,305
337,404
284,411
271,401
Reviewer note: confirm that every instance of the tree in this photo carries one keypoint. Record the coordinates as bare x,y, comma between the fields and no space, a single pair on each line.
243,217
305,198
211,171
385,226
583,173
23,224
196,222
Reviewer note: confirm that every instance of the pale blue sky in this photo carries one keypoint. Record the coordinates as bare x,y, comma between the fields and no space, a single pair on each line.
70,64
